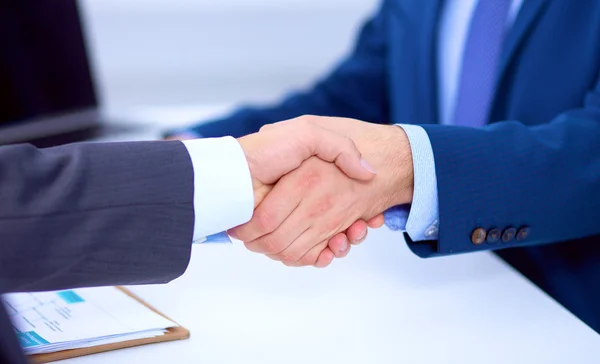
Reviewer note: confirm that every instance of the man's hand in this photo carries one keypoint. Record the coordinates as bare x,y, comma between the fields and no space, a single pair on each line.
315,202
277,150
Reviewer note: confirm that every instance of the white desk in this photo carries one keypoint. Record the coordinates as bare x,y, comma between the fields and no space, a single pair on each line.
380,305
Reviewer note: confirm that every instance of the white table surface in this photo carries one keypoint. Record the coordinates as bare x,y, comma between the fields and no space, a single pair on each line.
381,304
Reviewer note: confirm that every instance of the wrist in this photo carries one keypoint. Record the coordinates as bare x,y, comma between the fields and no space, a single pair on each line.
388,149
403,166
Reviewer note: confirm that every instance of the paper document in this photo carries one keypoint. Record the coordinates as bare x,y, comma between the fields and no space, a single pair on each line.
53,321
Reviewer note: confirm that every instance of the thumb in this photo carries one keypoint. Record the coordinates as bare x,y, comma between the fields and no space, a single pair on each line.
332,147
260,192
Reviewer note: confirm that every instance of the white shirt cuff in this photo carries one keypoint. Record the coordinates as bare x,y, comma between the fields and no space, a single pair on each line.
223,193
423,219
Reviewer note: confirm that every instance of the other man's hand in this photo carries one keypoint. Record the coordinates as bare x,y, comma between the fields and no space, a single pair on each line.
314,203
274,152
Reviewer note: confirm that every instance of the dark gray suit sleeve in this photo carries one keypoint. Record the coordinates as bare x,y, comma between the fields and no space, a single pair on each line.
94,214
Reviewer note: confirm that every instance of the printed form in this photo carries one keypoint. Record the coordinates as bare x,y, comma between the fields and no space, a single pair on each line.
53,321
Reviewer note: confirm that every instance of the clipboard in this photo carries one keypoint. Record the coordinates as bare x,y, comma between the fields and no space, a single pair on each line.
172,334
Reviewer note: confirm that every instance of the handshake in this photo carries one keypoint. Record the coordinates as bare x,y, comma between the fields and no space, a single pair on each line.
319,182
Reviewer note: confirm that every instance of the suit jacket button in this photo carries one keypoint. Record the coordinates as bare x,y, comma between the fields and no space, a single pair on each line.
508,234
478,236
493,236
523,233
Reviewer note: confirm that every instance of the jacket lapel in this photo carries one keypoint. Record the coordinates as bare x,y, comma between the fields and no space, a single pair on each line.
529,12
428,27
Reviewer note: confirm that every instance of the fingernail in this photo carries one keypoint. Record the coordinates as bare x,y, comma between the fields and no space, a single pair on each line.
344,246
367,166
361,236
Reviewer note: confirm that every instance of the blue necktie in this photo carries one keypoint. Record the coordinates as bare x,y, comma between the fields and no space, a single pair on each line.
480,62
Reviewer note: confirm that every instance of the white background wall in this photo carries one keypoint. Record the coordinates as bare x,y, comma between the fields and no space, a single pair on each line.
172,52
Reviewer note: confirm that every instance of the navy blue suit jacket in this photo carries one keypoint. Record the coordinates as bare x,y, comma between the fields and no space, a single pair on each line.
536,164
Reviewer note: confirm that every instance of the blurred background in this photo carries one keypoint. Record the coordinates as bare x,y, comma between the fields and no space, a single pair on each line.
181,52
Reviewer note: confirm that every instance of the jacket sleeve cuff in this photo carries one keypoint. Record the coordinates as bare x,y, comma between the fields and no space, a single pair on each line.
421,218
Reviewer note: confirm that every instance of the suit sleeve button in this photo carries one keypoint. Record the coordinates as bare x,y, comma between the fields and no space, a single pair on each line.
493,236
478,236
508,234
523,233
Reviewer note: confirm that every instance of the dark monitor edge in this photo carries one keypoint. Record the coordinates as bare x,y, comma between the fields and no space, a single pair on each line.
73,124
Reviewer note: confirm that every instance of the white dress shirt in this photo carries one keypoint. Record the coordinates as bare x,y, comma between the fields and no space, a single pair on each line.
223,193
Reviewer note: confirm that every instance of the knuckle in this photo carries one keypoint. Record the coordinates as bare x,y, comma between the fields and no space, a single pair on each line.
288,257
308,259
334,224
320,207
250,246
308,119
272,257
289,264
265,245
265,222
266,127
269,245
350,145
242,232
310,179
